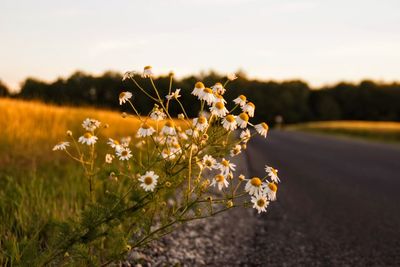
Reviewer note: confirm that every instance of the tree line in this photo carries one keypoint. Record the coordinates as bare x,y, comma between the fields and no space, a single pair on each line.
294,100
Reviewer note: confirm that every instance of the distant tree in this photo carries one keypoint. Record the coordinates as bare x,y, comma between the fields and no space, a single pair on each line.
3,90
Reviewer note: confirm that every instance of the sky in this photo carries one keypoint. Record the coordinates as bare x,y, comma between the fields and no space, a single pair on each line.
321,42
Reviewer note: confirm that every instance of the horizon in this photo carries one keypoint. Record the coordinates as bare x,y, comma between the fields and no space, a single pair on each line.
289,40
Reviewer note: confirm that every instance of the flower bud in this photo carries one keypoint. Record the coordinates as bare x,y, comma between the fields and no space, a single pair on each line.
229,204
241,177
69,133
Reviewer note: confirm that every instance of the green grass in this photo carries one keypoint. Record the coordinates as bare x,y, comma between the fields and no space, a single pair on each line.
388,132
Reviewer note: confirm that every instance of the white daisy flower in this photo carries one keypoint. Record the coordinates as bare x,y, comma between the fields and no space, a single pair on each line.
254,186
169,128
124,153
236,150
88,138
229,123
249,108
124,96
174,95
220,180
272,173
270,190
260,202
245,135
262,129
61,146
242,120
240,100
176,149
207,95
114,143
231,76
198,88
149,181
167,154
200,123
147,72
218,88
128,75
157,114
90,124
225,166
193,133
219,98
209,162
183,135
109,158
219,109
125,141
145,130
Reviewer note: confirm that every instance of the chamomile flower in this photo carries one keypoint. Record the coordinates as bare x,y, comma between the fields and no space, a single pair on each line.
218,88
194,133
124,96
231,76
219,109
145,130
236,150
149,181
254,186
90,124
157,114
200,123
272,173
167,154
198,88
245,135
88,138
240,100
270,190
209,162
242,120
169,128
260,202
249,108
176,149
109,158
114,143
125,141
61,146
219,98
147,72
225,166
220,180
229,123
124,153
174,95
207,95
262,129
128,75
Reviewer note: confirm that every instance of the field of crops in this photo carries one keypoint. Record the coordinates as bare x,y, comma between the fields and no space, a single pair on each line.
374,130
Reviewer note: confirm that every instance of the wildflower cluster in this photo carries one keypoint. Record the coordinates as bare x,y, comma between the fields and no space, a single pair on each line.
174,170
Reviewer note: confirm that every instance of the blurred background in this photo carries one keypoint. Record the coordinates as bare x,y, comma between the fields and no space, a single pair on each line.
330,67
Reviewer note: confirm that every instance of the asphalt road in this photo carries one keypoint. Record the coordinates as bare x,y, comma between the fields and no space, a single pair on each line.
338,203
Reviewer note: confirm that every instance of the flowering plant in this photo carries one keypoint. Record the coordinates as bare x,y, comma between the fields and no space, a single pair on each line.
174,170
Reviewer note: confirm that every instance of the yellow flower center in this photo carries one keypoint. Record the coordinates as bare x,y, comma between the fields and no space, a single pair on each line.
116,142
87,135
230,118
208,163
207,91
122,95
176,145
273,187
261,202
242,97
225,163
219,105
124,153
202,120
148,180
264,125
169,124
274,171
148,68
255,181
199,85
219,178
244,117
145,126
218,84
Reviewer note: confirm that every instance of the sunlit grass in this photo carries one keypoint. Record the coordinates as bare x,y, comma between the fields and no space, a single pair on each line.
376,130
